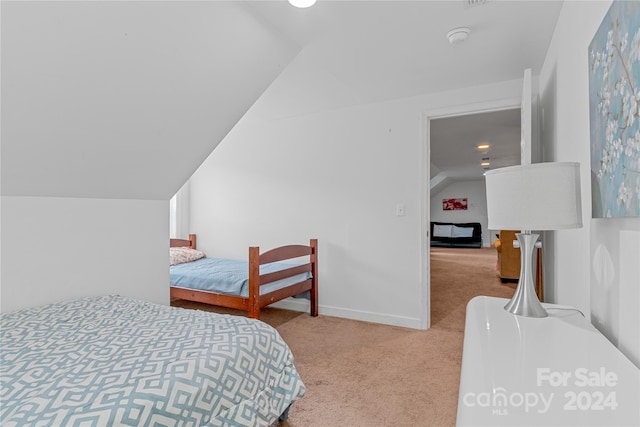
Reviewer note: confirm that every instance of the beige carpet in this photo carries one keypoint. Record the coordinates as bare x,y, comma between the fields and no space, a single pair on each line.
364,374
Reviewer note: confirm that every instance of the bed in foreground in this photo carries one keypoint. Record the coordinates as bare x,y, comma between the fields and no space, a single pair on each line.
245,285
116,361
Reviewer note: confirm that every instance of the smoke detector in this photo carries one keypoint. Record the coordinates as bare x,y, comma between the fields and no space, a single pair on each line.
458,35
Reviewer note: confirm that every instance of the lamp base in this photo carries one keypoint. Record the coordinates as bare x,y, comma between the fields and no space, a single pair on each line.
525,302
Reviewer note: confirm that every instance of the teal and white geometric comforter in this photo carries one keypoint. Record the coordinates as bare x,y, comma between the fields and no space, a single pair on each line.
114,361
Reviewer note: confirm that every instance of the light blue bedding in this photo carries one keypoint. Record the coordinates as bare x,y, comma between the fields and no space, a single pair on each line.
226,276
113,361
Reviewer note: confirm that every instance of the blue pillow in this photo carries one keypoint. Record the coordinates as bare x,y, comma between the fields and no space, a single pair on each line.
441,230
461,231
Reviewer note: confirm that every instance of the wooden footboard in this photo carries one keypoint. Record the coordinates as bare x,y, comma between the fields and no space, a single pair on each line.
254,302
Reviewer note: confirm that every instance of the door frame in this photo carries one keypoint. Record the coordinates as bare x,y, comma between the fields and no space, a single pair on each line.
425,194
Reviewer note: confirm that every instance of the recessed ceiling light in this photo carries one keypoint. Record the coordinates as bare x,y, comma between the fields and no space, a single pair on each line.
485,163
458,35
483,147
302,3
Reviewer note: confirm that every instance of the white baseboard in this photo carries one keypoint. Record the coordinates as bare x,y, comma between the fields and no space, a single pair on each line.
302,305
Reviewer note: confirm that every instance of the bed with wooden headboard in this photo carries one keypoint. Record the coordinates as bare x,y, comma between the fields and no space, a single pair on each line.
260,284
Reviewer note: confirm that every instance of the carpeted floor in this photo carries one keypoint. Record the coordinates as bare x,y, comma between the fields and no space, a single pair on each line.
364,374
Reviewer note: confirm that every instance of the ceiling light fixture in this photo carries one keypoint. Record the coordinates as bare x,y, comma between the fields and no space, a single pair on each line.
457,35
485,163
302,3
483,147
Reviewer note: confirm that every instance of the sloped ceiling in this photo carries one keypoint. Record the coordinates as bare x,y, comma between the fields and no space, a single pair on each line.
359,52
125,99
454,142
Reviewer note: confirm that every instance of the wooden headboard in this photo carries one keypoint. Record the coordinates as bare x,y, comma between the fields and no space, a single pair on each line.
177,243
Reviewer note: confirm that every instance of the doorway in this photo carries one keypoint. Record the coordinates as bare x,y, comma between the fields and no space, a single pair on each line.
464,128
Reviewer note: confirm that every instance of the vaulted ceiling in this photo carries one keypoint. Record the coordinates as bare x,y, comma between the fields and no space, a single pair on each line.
358,52
126,99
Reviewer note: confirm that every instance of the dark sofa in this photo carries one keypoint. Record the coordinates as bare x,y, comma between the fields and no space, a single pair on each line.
456,235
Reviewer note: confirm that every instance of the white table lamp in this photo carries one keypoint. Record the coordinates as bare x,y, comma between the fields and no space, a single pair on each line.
539,196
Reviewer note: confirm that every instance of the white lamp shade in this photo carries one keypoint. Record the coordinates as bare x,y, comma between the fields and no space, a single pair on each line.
540,196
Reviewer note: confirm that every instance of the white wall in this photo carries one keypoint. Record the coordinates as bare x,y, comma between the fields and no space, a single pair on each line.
337,176
179,213
56,249
594,268
476,193
107,109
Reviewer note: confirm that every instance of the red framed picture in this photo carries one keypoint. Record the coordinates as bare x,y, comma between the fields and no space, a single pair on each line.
454,204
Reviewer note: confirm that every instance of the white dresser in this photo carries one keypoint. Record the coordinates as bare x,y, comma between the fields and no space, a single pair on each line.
558,370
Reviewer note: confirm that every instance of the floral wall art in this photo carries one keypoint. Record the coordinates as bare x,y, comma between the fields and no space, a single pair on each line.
614,108
454,204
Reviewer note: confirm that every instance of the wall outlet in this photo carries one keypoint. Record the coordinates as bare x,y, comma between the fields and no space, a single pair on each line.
400,209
